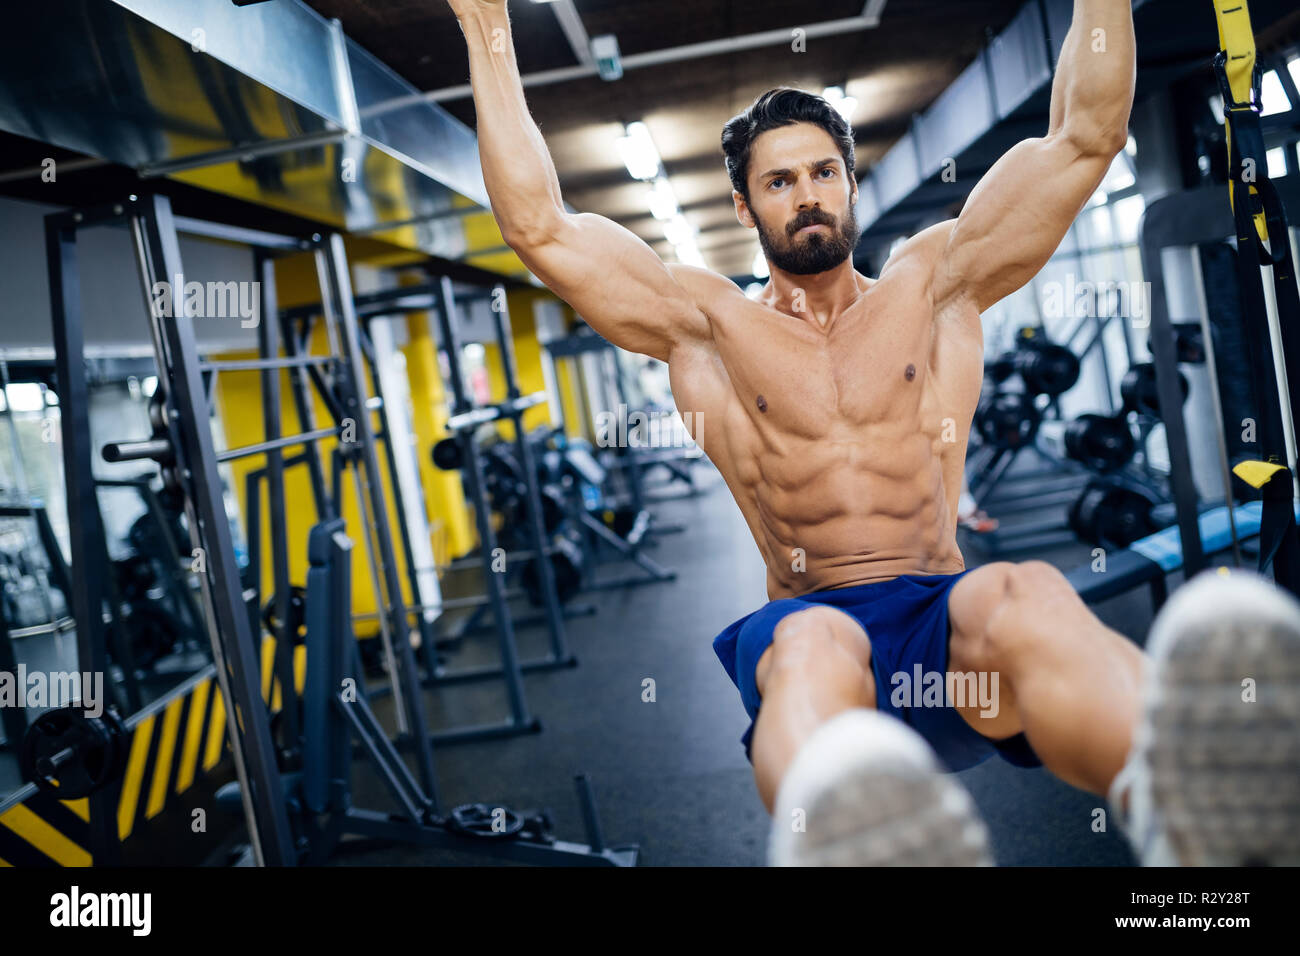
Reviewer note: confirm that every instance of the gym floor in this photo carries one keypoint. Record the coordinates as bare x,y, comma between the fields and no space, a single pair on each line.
672,775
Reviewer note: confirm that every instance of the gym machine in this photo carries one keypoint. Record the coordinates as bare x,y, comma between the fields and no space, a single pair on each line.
1195,218
184,448
462,451
617,523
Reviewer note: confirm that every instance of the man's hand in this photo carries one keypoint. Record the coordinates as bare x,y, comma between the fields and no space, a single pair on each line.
463,7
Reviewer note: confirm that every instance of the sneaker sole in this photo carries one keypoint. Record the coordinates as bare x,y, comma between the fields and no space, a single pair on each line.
866,790
1225,771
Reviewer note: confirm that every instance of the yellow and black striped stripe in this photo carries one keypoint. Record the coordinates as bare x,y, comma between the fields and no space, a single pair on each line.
171,749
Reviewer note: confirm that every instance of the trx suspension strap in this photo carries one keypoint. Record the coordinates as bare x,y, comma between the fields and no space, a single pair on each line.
1262,241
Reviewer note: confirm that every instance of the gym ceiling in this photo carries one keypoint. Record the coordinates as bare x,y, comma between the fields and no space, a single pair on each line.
894,70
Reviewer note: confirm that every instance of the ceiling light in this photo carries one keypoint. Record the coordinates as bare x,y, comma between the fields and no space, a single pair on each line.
688,253
663,203
1273,99
844,105
639,153
760,269
1276,159
678,231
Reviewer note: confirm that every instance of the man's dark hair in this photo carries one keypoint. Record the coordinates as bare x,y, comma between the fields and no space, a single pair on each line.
783,106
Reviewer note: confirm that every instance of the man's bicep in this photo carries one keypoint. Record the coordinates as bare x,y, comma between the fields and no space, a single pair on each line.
616,282
1015,219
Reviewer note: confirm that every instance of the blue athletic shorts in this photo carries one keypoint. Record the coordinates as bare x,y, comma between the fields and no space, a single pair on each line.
906,620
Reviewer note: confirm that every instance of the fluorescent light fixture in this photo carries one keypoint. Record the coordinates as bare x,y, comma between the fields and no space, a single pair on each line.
639,153
678,231
1293,67
1119,176
688,253
1216,107
760,268
25,397
1099,198
1131,147
844,105
753,290
663,202
1276,162
1273,98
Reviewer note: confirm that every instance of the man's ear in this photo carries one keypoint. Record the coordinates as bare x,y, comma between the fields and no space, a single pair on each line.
743,214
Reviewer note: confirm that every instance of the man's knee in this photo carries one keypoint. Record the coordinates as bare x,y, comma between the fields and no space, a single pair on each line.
999,610
816,639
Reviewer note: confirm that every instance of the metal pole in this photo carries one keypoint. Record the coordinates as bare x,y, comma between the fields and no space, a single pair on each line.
473,472
269,345
233,644
86,530
336,284
533,494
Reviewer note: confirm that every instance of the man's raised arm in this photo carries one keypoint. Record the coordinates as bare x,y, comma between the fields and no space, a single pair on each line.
1019,213
613,279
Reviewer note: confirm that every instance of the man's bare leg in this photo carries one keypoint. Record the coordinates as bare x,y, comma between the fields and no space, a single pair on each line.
1070,683
819,665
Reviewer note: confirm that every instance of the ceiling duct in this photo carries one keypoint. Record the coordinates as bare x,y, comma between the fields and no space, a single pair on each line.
269,103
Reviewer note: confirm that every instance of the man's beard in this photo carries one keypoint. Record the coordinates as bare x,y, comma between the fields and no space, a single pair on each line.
818,252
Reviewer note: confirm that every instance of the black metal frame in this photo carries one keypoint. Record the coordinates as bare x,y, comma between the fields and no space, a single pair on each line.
190,460
441,299
1189,218
631,467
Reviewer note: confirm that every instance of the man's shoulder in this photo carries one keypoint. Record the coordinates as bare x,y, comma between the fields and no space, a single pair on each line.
704,286
925,248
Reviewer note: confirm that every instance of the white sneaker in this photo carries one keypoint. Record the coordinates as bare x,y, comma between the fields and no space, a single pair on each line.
1213,778
867,790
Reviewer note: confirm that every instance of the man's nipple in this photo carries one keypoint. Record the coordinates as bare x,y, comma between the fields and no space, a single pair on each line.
910,373
761,403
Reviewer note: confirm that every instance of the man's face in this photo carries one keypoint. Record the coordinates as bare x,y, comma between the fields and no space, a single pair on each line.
800,199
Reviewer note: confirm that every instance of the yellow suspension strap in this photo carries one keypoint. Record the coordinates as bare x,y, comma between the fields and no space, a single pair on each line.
1262,241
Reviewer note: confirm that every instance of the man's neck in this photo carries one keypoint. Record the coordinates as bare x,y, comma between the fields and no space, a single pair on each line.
817,299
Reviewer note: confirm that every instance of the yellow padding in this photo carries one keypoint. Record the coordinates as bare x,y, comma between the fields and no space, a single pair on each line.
193,736
1237,40
1256,473
268,667
80,807
162,767
44,837
216,731
134,777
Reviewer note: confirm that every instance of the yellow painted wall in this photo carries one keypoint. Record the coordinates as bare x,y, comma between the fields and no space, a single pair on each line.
239,398
450,522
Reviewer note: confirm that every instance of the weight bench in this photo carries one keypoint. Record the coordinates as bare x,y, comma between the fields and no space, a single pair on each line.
1151,559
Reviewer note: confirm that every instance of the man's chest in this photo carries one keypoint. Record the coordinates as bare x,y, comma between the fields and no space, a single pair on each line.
859,375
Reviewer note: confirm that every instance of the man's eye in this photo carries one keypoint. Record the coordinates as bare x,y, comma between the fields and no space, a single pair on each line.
776,184
828,169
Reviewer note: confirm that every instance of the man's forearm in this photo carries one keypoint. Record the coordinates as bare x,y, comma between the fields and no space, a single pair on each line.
1092,95
517,167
